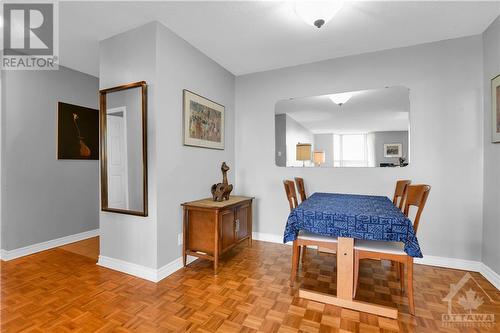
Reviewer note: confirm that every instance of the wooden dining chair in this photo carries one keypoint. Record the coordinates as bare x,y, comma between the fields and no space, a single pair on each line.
394,251
302,191
304,238
400,193
291,194
398,200
300,186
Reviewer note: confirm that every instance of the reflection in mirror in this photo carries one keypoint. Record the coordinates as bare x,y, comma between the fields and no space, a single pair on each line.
123,170
366,128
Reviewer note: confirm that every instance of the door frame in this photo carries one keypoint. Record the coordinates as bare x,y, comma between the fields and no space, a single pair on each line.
110,112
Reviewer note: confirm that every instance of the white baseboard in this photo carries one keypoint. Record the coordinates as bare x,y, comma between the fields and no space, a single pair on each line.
30,249
143,272
454,263
490,275
272,238
172,267
466,265
140,271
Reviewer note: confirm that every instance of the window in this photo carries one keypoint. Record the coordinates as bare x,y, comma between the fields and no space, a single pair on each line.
349,150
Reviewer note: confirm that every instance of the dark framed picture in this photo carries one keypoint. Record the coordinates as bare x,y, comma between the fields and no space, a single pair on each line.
77,132
393,150
495,109
203,121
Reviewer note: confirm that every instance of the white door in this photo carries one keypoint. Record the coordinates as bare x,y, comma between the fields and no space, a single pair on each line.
117,160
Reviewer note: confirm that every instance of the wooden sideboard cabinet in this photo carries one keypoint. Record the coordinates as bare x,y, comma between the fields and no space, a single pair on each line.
211,228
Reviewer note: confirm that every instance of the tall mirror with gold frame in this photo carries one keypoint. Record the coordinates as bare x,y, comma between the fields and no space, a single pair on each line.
124,179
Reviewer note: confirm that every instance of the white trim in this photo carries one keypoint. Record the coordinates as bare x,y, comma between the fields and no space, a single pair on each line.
140,271
272,238
143,272
490,275
454,263
172,267
30,249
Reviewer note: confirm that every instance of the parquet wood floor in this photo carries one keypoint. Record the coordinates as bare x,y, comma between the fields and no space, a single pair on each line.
88,247
62,291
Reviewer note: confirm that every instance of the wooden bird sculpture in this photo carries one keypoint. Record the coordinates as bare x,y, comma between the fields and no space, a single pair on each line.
221,191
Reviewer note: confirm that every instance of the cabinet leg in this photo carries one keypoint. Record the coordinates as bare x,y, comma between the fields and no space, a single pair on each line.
184,235
218,222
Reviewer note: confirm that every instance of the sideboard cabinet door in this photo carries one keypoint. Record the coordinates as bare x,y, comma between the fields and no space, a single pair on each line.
227,228
243,219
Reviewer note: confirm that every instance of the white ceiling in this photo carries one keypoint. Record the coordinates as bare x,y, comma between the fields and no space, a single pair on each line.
252,36
385,109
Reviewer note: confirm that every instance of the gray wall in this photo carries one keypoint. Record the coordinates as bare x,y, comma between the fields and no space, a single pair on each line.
280,139
176,173
324,142
491,207
131,57
381,138
44,198
187,173
296,133
446,106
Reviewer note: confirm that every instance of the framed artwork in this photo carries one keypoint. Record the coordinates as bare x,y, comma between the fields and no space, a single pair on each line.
77,132
495,109
203,121
393,150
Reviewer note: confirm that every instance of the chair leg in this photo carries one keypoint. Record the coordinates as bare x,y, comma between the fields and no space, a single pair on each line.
401,276
304,249
356,273
411,301
295,261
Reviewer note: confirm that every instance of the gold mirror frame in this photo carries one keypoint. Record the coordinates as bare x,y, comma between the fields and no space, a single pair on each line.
104,170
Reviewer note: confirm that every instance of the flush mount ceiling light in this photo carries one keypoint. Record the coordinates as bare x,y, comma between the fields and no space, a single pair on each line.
341,98
317,13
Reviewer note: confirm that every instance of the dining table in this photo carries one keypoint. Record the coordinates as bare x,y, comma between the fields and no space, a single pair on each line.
349,217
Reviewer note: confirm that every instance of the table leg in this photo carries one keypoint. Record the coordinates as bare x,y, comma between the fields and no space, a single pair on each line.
251,225
345,267
345,275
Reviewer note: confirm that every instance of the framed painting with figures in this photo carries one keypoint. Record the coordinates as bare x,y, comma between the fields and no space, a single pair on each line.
77,132
203,121
495,109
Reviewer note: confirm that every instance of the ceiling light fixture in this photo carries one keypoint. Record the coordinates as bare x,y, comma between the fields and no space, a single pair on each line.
341,98
317,13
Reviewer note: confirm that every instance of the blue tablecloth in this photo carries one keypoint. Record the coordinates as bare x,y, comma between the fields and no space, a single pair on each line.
355,216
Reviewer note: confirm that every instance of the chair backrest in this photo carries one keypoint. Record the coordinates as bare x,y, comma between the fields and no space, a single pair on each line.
400,193
301,188
291,195
417,196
